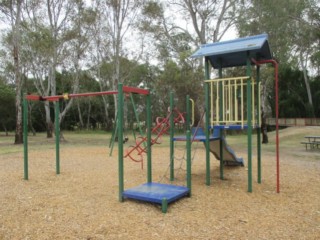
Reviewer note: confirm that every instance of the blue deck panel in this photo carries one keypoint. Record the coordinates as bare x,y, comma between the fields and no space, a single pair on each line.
155,192
231,127
200,135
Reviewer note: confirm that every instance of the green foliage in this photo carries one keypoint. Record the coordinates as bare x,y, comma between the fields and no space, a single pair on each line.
315,87
7,107
293,99
152,9
293,29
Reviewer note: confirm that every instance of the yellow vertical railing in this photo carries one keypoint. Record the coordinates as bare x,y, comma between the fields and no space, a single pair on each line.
242,98
259,102
253,105
217,101
233,90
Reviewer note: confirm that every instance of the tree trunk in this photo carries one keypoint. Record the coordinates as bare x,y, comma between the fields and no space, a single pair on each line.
264,129
30,119
306,82
80,115
48,120
264,111
88,118
18,84
106,106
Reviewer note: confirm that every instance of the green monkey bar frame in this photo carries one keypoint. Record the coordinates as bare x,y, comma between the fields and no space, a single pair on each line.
121,90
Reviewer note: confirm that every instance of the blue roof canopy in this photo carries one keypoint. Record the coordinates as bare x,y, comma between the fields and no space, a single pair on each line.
234,52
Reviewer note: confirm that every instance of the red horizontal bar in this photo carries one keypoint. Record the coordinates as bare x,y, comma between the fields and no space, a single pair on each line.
90,94
33,97
67,96
127,89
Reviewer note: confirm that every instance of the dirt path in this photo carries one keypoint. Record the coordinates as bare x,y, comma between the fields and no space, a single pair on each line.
82,202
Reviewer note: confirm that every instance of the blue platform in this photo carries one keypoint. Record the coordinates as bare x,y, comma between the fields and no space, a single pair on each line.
231,127
157,193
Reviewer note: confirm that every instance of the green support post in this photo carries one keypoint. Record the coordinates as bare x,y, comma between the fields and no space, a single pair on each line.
221,131
120,143
57,132
171,138
25,138
164,205
189,161
249,117
149,174
207,122
258,126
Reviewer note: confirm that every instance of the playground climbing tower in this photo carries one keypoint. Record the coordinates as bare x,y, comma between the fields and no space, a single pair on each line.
234,103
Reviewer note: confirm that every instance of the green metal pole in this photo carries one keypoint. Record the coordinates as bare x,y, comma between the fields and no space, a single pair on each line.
189,161
171,138
258,126
164,205
249,117
221,132
149,160
25,137
120,143
207,121
57,130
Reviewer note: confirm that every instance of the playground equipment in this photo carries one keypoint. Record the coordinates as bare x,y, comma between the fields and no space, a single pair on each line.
136,152
234,98
151,192
229,156
56,99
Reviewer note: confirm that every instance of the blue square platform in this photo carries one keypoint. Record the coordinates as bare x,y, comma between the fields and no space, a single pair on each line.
157,193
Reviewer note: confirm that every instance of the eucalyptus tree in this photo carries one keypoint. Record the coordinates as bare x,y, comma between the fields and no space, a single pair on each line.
210,19
45,24
56,37
293,27
100,52
176,36
11,11
113,32
79,37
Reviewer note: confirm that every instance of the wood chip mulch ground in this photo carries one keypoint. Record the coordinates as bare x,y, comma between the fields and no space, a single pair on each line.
82,202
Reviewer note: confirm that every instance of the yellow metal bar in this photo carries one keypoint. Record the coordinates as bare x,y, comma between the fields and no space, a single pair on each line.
217,104
192,111
229,100
223,102
212,102
259,101
231,111
253,102
226,79
235,101
241,106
